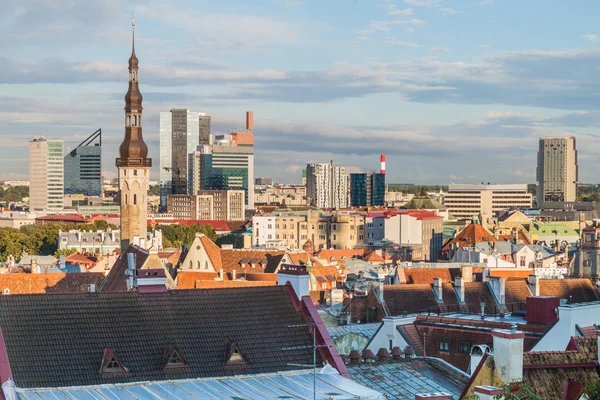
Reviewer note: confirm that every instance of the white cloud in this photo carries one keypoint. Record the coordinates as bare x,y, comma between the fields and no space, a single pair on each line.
485,3
422,3
392,41
405,12
447,11
438,50
379,26
592,37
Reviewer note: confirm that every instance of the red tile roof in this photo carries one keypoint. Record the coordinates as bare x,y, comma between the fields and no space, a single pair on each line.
232,284
187,279
470,235
74,282
426,275
575,290
516,291
340,254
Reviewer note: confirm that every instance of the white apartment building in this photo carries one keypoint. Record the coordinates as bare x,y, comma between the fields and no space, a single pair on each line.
557,170
465,200
328,186
263,230
46,174
410,228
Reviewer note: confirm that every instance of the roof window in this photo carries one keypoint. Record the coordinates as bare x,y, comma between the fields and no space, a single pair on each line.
111,363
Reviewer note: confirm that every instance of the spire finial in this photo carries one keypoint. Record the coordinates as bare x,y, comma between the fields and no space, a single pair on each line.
132,19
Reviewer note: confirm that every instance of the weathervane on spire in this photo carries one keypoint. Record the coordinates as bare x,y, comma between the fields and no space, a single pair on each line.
132,19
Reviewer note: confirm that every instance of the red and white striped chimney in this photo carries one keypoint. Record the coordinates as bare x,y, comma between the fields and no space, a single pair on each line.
382,164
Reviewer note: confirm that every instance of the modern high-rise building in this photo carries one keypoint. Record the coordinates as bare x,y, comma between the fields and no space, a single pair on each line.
204,126
83,167
465,201
226,164
327,186
46,174
133,163
557,171
367,189
179,136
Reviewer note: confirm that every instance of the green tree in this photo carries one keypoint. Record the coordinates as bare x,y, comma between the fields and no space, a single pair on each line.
178,235
236,240
66,252
592,390
12,242
154,190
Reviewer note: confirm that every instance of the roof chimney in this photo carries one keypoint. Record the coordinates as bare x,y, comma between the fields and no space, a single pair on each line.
249,120
487,392
459,287
382,164
508,353
498,286
433,396
152,280
297,276
534,285
437,289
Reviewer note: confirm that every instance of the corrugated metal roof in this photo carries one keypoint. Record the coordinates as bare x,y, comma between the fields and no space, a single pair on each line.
288,385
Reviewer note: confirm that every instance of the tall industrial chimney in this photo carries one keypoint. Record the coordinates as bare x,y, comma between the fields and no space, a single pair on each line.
382,162
249,120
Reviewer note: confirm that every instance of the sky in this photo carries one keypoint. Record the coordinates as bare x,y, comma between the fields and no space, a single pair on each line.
452,91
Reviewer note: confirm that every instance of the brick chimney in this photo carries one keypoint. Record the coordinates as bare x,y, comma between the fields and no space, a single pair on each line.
437,289
433,396
249,120
297,276
459,287
534,285
466,272
487,392
508,354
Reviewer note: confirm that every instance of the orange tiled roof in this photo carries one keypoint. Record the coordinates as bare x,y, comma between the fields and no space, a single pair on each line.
187,279
80,259
373,257
230,259
511,273
471,235
579,290
509,238
516,291
74,282
213,251
339,254
426,275
232,284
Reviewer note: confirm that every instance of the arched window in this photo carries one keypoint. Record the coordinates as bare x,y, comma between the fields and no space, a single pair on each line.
205,264
198,266
128,120
134,121
125,199
134,199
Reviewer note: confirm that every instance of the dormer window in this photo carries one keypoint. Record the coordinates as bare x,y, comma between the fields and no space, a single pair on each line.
234,355
172,358
111,363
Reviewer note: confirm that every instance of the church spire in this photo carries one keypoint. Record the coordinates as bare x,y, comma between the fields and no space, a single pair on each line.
133,150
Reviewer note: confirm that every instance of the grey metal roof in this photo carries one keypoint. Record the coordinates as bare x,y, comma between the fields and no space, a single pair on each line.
403,379
366,330
289,385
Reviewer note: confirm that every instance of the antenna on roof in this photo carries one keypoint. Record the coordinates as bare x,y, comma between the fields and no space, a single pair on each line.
130,272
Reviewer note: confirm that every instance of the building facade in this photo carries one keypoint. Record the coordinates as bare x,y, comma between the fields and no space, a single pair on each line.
46,174
411,228
367,189
557,171
83,167
133,163
465,201
223,205
325,231
327,186
204,126
227,164
179,136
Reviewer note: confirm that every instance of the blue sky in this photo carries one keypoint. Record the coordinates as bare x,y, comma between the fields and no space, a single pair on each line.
450,90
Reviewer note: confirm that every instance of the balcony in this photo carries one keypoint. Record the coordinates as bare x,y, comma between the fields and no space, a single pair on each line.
134,162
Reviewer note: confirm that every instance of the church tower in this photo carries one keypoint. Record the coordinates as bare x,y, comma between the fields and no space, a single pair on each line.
133,162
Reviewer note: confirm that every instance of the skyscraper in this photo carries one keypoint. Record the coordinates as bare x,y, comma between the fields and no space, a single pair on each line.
227,164
46,174
204,125
557,169
179,136
327,186
367,189
83,167
133,163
